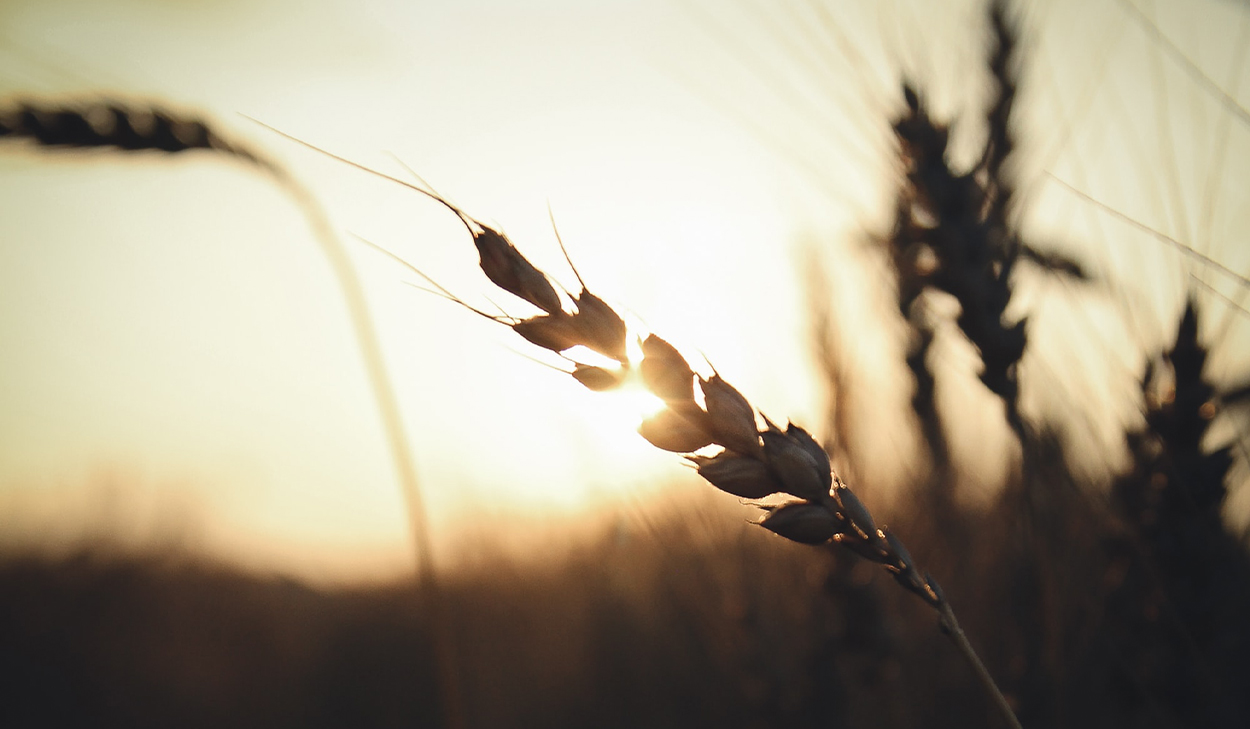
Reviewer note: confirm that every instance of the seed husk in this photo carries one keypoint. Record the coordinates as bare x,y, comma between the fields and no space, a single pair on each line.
599,379
796,470
813,449
672,431
504,265
856,512
599,327
665,371
731,417
736,474
549,331
900,551
803,522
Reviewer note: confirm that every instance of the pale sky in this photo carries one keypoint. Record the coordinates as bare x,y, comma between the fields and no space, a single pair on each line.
177,361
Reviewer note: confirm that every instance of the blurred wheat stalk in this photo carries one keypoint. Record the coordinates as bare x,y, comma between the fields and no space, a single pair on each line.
145,128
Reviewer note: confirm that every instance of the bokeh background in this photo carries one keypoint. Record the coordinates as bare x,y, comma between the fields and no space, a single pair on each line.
178,375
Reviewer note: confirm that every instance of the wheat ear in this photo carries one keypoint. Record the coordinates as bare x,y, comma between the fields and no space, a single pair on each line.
752,461
749,456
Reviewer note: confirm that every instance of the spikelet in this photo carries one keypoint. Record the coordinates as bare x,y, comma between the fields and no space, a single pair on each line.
599,379
553,332
665,372
796,470
856,512
600,328
672,431
504,265
731,417
803,522
739,475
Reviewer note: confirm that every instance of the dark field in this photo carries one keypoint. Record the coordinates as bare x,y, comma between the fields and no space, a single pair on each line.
1086,618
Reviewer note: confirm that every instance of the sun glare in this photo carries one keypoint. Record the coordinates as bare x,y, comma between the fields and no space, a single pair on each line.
629,403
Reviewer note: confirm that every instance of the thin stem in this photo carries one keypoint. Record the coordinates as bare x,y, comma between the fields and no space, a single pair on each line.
950,626
367,341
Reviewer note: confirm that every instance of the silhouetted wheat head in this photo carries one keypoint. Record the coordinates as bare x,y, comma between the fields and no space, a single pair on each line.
1183,583
734,447
952,233
105,125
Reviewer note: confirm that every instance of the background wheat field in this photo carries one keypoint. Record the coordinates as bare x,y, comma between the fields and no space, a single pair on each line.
201,519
